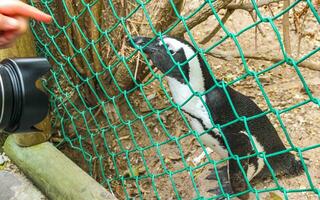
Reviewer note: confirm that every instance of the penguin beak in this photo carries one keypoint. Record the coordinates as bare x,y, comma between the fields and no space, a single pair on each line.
142,41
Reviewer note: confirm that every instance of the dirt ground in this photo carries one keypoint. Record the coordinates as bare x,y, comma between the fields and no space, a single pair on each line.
282,85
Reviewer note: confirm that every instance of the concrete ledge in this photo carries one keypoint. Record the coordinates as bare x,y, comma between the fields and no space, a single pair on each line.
53,173
15,186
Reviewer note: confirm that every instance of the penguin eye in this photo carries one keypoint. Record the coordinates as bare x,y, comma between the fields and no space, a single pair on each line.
172,52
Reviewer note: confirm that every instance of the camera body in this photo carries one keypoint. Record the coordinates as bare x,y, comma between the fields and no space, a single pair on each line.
22,104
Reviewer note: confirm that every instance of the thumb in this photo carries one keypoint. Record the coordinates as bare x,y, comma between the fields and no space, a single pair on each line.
8,23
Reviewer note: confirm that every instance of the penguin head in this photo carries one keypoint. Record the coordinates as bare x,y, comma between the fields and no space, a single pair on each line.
159,54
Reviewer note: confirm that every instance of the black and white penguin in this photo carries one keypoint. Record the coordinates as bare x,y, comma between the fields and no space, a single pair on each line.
194,77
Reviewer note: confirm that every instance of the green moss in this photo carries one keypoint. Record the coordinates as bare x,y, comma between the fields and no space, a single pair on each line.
3,138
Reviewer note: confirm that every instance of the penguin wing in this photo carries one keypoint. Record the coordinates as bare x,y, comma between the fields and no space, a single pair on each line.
224,110
219,106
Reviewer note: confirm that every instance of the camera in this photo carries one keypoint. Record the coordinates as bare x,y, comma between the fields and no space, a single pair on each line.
22,104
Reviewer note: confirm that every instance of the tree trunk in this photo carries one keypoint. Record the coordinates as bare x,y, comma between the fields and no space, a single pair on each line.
87,52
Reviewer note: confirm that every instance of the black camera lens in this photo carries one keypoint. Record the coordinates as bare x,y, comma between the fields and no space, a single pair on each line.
22,104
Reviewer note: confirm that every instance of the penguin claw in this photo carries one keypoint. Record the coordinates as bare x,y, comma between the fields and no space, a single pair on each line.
212,176
217,191
227,189
221,198
224,180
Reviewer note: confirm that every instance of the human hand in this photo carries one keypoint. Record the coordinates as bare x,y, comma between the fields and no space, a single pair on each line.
14,17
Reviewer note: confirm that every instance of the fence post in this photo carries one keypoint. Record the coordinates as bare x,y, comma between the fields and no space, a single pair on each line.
54,174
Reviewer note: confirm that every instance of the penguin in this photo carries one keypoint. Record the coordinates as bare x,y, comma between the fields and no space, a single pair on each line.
210,103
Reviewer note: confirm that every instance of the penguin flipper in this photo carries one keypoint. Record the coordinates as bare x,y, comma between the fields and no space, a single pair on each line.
231,179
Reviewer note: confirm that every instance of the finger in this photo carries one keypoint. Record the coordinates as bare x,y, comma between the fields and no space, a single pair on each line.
6,42
8,23
6,46
23,25
9,36
22,9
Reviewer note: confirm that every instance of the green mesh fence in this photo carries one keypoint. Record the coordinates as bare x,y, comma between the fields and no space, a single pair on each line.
95,95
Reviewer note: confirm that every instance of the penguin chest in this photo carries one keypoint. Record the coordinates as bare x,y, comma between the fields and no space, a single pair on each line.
207,139
193,105
197,114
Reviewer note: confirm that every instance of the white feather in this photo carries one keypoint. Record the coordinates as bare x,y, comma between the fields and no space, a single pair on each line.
252,172
181,93
196,78
208,140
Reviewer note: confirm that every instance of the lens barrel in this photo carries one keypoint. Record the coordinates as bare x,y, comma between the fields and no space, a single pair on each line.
22,104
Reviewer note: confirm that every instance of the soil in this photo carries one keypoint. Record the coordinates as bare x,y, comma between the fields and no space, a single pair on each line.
157,134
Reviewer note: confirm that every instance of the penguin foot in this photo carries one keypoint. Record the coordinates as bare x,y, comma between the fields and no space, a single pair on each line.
226,189
213,176
224,180
221,198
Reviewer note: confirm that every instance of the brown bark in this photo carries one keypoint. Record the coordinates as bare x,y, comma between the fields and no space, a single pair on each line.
286,28
202,16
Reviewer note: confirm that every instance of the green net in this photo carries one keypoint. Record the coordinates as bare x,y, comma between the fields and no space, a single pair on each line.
116,113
